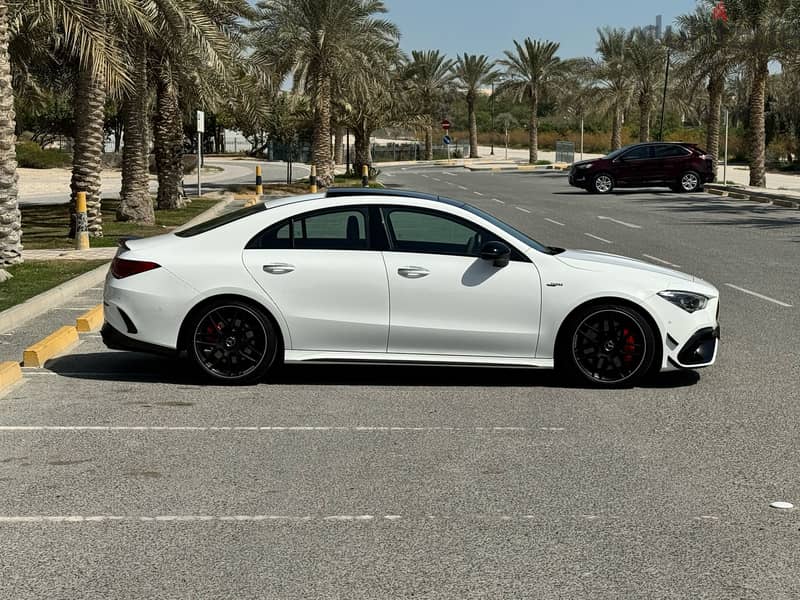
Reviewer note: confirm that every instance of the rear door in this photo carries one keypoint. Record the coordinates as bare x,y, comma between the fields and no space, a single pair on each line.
672,161
329,285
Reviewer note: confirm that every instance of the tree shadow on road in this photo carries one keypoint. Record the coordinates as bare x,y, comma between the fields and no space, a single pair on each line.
145,368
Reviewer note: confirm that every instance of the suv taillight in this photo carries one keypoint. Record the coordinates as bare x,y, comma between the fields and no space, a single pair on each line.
121,267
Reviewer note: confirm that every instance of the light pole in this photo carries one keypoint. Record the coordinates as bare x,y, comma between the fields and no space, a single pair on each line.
725,163
666,81
491,133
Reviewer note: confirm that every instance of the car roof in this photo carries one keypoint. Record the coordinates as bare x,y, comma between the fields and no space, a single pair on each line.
334,193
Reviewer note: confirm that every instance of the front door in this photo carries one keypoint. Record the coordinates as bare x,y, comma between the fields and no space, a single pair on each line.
331,290
447,300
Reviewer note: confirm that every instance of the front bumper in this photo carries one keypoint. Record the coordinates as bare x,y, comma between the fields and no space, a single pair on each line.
578,179
699,351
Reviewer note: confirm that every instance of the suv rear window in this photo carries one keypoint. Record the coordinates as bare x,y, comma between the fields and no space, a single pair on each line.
670,151
221,220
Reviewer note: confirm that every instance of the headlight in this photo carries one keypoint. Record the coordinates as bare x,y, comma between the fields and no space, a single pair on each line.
585,166
688,301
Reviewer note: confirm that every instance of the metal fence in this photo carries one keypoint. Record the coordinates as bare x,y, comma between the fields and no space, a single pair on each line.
565,152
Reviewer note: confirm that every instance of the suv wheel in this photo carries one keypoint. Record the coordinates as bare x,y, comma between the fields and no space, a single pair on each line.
602,184
690,182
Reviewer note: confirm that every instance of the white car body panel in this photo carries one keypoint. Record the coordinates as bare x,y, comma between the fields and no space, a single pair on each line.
331,300
353,305
497,312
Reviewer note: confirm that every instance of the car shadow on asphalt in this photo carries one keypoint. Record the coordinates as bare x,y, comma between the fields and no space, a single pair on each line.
146,368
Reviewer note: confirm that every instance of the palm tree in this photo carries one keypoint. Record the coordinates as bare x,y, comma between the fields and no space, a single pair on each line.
705,46
473,72
613,74
316,39
529,70
429,77
646,55
10,218
762,30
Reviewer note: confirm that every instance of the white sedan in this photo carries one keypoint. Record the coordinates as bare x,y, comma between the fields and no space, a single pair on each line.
378,276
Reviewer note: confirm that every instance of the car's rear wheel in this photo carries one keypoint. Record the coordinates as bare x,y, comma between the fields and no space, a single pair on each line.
690,182
602,184
609,345
233,342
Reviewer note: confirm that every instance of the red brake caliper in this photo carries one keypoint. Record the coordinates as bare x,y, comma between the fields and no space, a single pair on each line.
630,346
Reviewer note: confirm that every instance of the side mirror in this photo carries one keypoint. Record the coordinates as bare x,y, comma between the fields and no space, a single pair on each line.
497,252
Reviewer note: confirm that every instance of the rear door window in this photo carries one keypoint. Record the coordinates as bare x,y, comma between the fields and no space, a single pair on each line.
670,151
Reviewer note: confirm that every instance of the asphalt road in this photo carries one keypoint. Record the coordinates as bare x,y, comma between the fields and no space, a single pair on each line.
123,477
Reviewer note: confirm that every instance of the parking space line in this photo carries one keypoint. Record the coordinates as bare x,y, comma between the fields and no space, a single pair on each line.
554,222
461,187
623,223
662,261
437,179
477,193
605,241
757,295
268,429
498,201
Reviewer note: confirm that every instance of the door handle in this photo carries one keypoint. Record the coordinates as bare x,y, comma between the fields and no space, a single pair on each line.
413,272
278,268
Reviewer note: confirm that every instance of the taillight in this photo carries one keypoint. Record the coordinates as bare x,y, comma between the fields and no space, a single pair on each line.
121,267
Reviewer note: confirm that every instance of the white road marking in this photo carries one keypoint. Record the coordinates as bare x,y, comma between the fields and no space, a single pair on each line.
498,201
448,173
461,187
437,179
662,261
477,193
757,295
631,225
525,210
267,429
425,176
449,183
605,241
554,222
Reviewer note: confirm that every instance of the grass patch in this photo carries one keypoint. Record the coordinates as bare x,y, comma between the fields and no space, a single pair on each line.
36,276
31,156
46,226
350,181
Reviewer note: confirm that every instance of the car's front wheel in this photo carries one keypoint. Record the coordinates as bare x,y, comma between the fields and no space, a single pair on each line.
609,345
690,182
602,184
233,342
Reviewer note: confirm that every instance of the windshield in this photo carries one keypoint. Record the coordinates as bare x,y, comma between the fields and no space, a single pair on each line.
516,234
617,152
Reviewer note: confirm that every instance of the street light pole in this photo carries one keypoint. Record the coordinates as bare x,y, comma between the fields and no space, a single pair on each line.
581,137
664,101
491,133
725,164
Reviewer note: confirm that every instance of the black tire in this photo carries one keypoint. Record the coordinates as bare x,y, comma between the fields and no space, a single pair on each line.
232,342
607,345
689,182
602,183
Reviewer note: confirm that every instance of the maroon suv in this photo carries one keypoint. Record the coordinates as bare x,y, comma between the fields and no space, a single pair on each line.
679,166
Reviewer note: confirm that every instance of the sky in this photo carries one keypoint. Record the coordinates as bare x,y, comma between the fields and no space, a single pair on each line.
490,26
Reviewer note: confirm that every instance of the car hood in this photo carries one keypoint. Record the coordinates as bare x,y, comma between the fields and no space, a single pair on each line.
600,261
589,161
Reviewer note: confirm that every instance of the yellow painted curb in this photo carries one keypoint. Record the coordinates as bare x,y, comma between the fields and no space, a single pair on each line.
251,202
90,320
528,167
10,373
53,345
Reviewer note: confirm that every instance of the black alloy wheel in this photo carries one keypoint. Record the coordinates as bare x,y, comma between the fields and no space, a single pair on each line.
233,342
611,345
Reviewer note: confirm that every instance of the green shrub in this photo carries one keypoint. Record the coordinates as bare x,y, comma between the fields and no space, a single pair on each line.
31,156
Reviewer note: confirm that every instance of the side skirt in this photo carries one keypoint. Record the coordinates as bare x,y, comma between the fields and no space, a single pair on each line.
307,356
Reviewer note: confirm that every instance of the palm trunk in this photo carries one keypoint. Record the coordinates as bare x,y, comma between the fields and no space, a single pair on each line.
168,130
321,140
338,148
758,176
716,87
87,152
616,128
645,108
533,123
473,127
363,152
428,142
135,201
10,217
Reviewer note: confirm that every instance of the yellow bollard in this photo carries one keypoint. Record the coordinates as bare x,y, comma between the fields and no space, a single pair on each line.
312,180
259,184
81,222
364,175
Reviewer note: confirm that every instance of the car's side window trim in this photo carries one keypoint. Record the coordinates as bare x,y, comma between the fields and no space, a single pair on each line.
387,209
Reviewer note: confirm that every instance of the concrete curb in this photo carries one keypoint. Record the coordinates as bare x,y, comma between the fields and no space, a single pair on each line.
499,168
20,314
54,344
33,307
765,197
90,320
10,373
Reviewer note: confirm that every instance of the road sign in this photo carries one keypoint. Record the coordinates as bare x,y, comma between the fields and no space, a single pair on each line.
445,124
201,121
447,140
